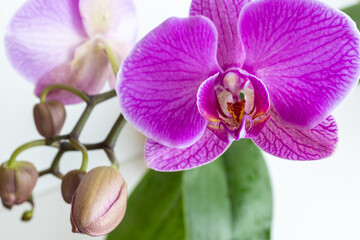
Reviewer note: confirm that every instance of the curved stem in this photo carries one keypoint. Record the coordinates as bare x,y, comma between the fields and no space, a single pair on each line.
44,172
112,157
24,147
28,214
104,96
77,145
75,133
54,169
68,88
112,59
51,140
114,132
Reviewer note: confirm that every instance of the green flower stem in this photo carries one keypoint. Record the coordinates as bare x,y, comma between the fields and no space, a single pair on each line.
113,135
93,101
73,144
75,133
27,146
44,172
103,97
68,88
54,169
77,145
51,140
112,157
112,58
28,214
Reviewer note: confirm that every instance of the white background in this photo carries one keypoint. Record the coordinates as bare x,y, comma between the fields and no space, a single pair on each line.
317,200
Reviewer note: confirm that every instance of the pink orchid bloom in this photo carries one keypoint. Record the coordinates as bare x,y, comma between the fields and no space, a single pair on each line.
268,70
64,41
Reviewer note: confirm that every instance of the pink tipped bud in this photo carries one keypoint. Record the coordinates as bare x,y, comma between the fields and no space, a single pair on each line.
17,182
99,202
69,184
49,117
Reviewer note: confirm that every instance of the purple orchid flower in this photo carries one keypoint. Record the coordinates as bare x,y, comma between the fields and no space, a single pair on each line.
268,70
63,41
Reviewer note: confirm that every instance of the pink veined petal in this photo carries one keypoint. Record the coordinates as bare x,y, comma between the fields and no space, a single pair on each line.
290,143
206,100
306,53
42,35
159,80
225,15
88,71
257,127
220,131
167,159
261,95
109,17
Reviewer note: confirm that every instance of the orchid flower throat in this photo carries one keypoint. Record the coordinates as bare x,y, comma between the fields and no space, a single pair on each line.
239,105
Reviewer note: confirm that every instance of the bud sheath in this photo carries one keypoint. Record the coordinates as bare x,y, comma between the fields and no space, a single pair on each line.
99,202
49,117
17,182
69,184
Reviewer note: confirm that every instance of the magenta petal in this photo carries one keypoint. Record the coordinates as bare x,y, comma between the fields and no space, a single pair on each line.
206,100
167,159
257,127
42,35
159,80
290,143
261,95
306,53
224,14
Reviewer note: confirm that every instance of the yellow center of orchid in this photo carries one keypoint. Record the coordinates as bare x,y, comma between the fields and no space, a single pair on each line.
237,110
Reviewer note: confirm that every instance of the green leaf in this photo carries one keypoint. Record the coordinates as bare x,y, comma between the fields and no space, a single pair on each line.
207,208
230,198
154,210
249,190
354,13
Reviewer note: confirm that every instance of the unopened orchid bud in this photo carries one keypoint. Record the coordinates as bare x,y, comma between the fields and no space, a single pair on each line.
49,117
27,216
17,182
99,202
69,184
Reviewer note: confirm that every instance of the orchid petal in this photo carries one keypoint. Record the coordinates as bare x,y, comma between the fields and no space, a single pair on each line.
220,131
162,158
261,95
257,126
306,53
290,143
42,35
159,80
109,17
88,71
224,14
206,100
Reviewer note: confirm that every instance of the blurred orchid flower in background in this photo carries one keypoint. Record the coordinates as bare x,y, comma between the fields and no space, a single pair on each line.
269,70
68,42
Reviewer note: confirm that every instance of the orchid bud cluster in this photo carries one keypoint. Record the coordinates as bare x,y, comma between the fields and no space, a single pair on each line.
69,57
98,197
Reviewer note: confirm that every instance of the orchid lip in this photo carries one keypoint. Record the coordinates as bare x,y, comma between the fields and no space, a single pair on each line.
240,102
